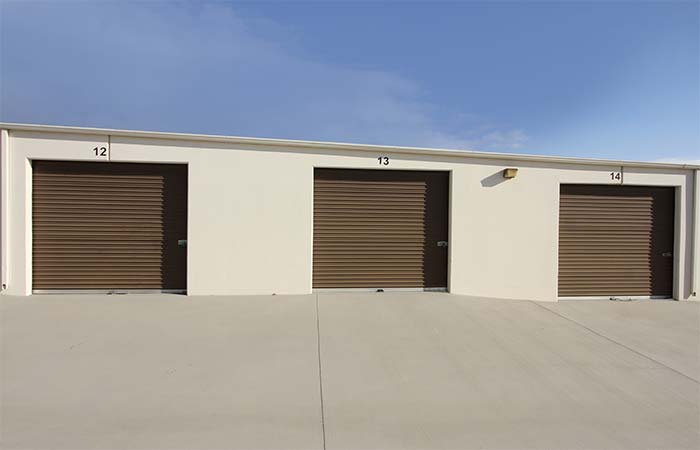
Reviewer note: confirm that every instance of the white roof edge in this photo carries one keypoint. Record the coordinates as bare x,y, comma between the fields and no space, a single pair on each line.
340,146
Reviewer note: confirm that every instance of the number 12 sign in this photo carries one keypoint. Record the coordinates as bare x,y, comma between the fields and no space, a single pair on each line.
100,152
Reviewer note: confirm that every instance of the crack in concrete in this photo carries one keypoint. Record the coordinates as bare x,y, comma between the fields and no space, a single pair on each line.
616,342
320,374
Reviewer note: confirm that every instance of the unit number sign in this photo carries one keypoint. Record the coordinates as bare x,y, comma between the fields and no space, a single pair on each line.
615,177
100,152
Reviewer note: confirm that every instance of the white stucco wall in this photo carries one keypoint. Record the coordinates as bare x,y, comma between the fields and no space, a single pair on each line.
250,212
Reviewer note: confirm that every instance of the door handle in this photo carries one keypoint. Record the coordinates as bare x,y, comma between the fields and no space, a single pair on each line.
442,243
667,254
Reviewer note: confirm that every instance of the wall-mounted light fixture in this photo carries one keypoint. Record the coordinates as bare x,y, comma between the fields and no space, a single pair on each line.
510,172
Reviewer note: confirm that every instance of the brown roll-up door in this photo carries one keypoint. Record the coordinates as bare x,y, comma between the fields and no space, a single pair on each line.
109,226
380,229
616,241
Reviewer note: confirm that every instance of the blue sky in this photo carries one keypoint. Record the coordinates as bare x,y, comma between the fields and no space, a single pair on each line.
595,79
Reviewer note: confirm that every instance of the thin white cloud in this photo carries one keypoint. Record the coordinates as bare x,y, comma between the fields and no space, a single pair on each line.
205,68
679,161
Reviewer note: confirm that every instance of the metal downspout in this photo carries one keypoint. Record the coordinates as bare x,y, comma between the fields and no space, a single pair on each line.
695,240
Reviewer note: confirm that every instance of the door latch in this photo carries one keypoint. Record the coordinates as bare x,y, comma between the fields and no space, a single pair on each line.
442,243
667,254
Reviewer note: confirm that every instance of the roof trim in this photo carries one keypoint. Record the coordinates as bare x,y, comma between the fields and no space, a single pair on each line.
340,146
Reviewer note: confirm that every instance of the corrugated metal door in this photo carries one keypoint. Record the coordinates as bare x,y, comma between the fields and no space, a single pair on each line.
109,226
616,241
380,229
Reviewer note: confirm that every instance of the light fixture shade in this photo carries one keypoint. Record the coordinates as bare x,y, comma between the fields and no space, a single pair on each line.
510,172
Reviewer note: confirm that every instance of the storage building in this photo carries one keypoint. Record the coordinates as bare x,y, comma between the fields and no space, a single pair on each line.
99,210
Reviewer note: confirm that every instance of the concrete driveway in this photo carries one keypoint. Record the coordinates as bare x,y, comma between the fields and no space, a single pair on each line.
347,371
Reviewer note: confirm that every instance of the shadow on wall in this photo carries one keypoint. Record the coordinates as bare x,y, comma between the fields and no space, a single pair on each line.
493,180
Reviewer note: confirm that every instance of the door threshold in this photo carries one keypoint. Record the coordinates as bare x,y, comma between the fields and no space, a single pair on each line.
378,290
108,291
